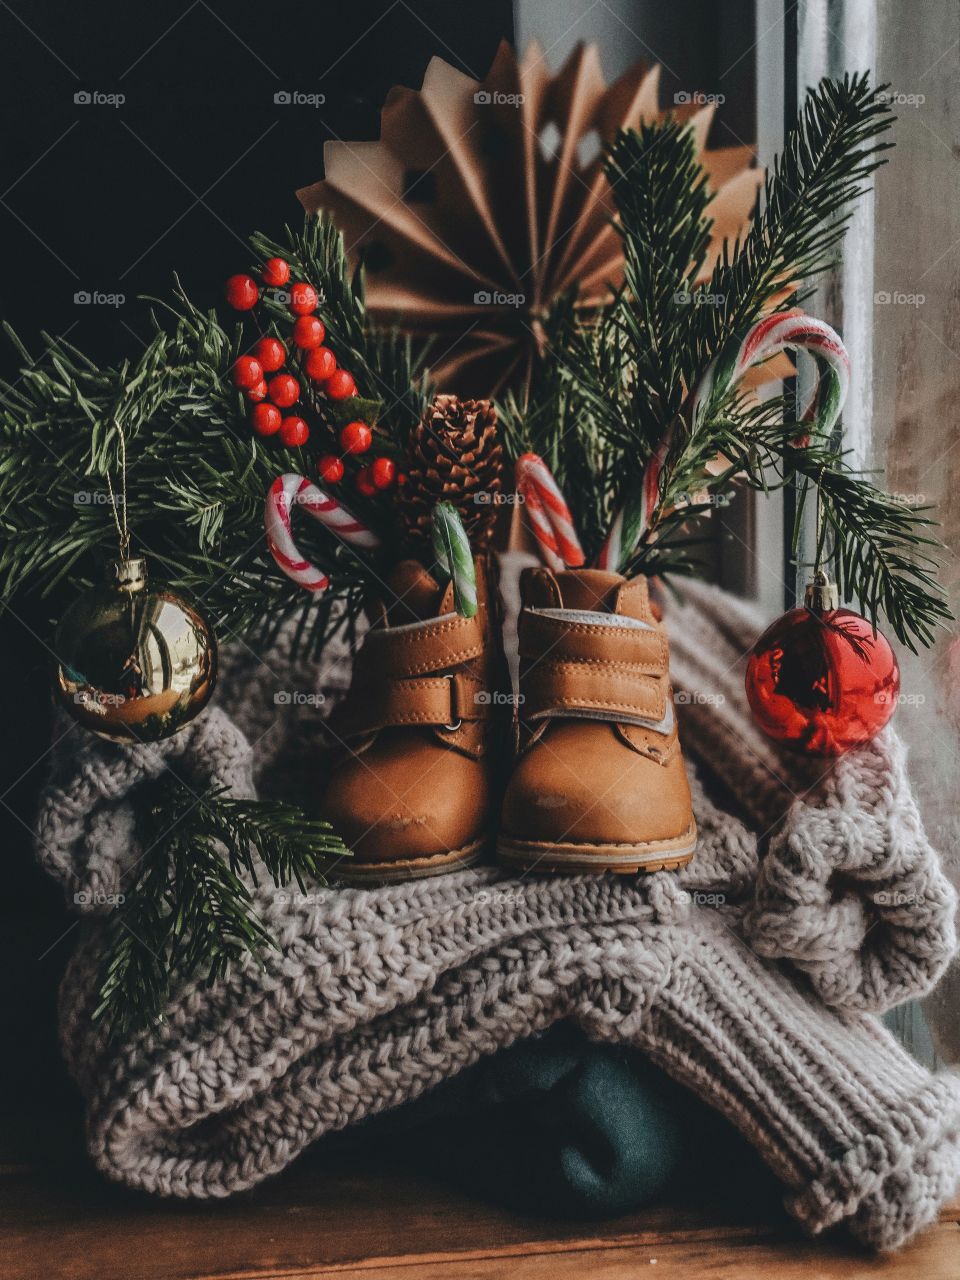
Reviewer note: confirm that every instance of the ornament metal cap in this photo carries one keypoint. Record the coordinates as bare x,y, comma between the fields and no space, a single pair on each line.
821,595
128,574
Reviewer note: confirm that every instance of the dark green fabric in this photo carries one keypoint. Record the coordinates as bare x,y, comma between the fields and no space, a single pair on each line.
562,1126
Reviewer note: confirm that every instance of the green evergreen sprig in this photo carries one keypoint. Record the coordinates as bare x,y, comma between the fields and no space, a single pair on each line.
619,384
662,196
188,911
828,158
553,417
198,476
882,549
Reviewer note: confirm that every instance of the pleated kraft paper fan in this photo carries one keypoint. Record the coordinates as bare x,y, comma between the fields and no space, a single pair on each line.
484,200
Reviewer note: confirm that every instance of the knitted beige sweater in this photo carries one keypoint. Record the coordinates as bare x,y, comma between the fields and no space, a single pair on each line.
811,900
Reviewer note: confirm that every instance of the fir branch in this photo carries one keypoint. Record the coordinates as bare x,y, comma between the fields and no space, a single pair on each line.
622,378
661,194
882,549
553,417
197,475
828,157
189,912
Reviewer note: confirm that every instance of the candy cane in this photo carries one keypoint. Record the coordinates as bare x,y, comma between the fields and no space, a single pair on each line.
766,338
292,490
451,546
635,516
549,515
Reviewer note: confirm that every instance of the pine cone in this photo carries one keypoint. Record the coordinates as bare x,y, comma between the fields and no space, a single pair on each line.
456,457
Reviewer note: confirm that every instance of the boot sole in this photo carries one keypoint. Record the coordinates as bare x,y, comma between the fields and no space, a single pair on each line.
372,874
596,859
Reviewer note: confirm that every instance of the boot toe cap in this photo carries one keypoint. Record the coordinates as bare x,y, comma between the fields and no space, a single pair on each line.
391,806
565,790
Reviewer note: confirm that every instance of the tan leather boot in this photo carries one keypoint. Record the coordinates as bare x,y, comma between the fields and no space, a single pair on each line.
412,789
599,783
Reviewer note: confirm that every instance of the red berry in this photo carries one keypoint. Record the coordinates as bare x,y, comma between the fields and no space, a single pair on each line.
303,298
320,364
271,353
246,372
308,331
365,483
266,419
275,272
284,390
383,472
401,479
356,437
330,468
340,386
242,293
294,432
257,393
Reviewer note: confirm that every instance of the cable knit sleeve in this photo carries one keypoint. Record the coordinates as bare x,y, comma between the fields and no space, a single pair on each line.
85,833
849,890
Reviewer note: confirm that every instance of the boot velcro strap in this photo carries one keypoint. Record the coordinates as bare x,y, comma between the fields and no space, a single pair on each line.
420,647
442,701
605,690
579,663
554,639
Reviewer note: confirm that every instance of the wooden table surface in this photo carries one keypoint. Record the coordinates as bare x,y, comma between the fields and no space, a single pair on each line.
365,1217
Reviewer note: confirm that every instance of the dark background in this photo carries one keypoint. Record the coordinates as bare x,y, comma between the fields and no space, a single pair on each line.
114,200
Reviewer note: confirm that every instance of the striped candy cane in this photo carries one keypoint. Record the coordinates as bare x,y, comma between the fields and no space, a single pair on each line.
636,515
767,337
291,490
451,546
549,515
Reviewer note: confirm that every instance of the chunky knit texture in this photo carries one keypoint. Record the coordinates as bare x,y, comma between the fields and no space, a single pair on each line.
745,976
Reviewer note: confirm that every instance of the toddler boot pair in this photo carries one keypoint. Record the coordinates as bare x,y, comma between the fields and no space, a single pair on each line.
421,781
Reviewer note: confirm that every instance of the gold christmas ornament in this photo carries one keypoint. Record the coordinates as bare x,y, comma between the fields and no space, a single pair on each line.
485,200
135,662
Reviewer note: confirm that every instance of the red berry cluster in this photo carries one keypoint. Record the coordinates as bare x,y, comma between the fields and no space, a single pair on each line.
282,390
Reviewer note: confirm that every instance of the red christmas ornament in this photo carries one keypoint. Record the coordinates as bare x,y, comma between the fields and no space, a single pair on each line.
356,437
266,419
340,386
284,390
330,469
308,332
275,272
821,679
320,364
383,472
364,483
294,432
303,298
246,372
241,292
257,393
271,353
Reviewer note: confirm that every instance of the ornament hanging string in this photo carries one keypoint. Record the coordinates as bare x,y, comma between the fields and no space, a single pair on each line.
123,533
